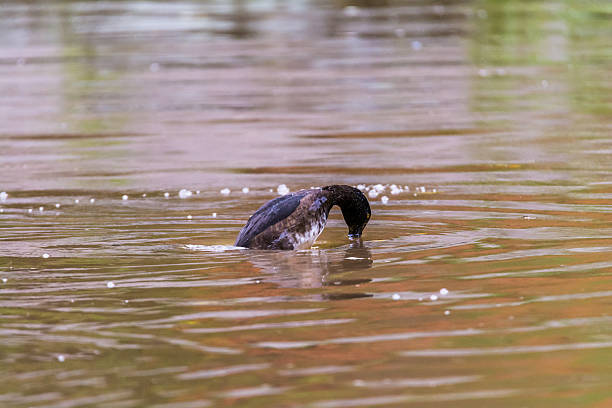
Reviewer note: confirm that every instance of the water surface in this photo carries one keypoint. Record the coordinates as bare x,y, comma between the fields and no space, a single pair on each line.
485,281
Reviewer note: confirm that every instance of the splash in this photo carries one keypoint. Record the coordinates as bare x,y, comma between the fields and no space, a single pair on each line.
212,248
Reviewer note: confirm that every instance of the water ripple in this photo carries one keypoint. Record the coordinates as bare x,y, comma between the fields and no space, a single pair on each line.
405,399
487,351
221,372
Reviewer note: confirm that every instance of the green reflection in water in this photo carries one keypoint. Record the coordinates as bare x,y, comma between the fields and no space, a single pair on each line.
562,43
92,91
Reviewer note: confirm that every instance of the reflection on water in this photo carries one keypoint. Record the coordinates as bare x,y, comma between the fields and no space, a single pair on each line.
312,268
482,280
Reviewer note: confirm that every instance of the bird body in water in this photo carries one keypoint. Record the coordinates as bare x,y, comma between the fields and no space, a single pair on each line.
294,221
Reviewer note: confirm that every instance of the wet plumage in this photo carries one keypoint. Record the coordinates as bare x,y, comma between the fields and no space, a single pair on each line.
294,221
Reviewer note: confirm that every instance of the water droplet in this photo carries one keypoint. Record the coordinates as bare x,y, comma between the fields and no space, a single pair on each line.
30,210
282,189
184,193
416,45
124,197
384,199
395,190
61,358
226,191
4,280
144,195
245,190
433,297
166,194
3,196
396,296
110,284
41,209
446,312
92,200
359,383
189,217
373,193
76,201
351,11
444,291
58,205
214,215
126,301
46,256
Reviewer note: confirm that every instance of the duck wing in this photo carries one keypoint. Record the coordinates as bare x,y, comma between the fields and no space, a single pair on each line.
269,214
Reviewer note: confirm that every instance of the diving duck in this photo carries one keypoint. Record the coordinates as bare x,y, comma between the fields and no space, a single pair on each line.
294,221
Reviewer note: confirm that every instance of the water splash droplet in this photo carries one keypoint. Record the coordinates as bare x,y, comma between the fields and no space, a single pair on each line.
282,189
184,193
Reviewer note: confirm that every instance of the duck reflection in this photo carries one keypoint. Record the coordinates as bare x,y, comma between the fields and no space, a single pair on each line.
313,268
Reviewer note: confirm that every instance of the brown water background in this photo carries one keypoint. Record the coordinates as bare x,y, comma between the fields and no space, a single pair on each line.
485,282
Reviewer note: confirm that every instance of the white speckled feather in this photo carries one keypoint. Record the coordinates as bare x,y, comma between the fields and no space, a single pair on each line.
305,241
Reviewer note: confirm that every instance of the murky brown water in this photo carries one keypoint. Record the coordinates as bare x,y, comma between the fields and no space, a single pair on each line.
487,283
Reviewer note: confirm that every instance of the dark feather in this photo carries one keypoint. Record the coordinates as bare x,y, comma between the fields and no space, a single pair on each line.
269,214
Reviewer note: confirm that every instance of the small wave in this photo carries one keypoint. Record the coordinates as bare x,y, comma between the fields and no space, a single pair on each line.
212,248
